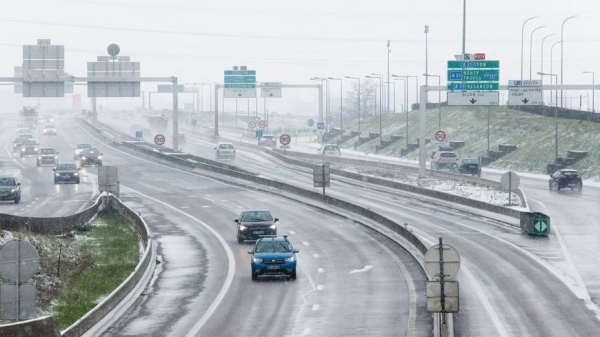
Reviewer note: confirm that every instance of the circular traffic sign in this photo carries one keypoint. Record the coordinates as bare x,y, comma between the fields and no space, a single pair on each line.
329,119
450,258
310,122
113,49
159,139
262,123
285,139
510,180
440,136
252,124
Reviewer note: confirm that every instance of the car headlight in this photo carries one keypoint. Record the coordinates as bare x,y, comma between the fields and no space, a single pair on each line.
273,226
40,157
99,157
75,174
57,174
243,228
290,259
35,149
55,157
82,158
14,190
256,260
23,149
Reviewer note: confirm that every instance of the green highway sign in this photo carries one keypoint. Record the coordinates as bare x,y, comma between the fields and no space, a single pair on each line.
468,75
240,79
240,72
480,86
473,64
540,226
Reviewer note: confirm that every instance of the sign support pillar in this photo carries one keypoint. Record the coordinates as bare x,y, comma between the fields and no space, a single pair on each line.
175,116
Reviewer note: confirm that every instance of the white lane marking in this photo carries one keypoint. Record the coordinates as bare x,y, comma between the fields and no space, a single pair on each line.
230,270
184,207
320,287
206,206
320,270
306,332
412,291
316,256
292,232
315,307
305,243
366,268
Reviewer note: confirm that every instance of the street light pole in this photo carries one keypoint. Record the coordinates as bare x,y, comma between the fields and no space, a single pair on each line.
388,78
359,93
593,91
341,100
551,53
522,37
405,79
531,49
426,56
542,64
561,57
394,94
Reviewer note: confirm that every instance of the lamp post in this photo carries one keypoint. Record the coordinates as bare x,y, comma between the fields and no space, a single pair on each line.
593,91
426,55
341,100
439,77
555,120
561,57
551,53
522,37
394,94
380,78
531,49
542,64
209,97
406,102
359,93
388,79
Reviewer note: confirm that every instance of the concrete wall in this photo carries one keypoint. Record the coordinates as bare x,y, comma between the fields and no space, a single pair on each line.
43,326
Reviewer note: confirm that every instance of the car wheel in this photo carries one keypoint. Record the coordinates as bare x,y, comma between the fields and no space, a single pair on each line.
550,186
99,164
55,181
17,199
240,240
293,275
38,164
77,181
254,277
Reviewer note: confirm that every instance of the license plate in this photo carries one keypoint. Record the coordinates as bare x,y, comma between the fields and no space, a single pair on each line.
272,267
258,232
572,185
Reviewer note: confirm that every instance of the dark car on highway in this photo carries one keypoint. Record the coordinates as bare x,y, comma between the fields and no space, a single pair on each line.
91,157
64,173
10,189
468,166
47,155
565,178
253,224
273,256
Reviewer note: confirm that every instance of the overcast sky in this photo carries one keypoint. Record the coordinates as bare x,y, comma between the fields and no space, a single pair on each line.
291,41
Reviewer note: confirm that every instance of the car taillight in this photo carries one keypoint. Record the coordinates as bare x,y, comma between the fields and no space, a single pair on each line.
578,177
456,159
562,177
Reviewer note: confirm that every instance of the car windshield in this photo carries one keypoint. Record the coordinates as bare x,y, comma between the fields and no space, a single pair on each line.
84,146
92,152
47,151
30,142
273,246
225,146
62,167
257,216
7,181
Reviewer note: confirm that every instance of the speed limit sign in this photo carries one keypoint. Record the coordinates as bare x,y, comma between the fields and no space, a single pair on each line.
440,136
251,124
159,139
262,123
285,139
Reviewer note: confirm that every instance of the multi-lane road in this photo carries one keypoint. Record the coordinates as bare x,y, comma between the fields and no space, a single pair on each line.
351,281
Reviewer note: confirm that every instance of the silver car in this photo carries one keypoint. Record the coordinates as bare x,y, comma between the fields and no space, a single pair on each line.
225,151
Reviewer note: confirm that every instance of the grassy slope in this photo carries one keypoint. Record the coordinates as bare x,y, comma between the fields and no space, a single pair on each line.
534,135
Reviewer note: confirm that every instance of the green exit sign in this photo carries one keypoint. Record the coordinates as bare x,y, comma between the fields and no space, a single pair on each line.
473,64
482,86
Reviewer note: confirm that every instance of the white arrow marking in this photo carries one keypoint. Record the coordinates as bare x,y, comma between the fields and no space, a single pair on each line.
361,270
540,226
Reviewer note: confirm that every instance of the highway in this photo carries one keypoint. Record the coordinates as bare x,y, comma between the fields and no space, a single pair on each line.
351,281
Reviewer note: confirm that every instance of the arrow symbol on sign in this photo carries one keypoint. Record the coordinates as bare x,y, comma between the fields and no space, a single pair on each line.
525,100
472,100
240,94
540,226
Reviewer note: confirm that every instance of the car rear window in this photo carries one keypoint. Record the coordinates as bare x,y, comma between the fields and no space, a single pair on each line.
225,146
448,154
257,216
331,148
570,173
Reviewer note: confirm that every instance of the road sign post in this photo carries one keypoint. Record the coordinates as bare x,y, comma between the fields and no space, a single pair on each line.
442,262
322,176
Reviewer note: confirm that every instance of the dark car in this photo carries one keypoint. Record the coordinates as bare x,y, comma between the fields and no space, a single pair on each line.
565,178
273,256
10,189
468,166
47,155
91,157
64,173
253,224
29,147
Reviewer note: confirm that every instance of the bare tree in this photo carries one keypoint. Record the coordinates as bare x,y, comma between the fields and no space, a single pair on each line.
367,99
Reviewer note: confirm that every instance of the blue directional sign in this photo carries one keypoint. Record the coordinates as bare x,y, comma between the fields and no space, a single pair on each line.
320,126
138,135
259,133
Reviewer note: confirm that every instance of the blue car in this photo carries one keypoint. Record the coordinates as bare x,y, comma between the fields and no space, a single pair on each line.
273,256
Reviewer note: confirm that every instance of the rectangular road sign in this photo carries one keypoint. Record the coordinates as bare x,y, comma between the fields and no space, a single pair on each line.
457,86
473,64
270,90
525,95
240,72
239,83
450,296
240,93
471,98
525,83
473,75
240,79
